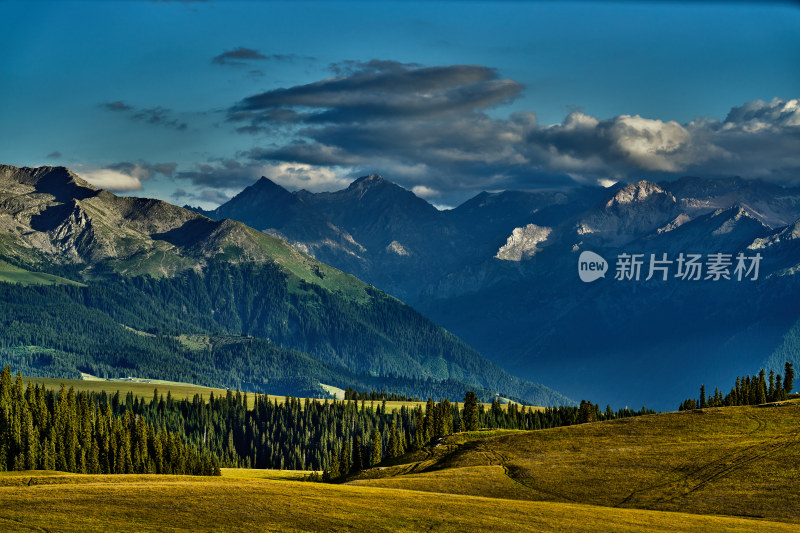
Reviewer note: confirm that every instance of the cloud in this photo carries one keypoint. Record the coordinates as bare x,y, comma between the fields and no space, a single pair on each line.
238,56
143,170
112,180
125,176
233,175
119,105
241,56
442,129
54,155
158,115
228,174
425,192
384,90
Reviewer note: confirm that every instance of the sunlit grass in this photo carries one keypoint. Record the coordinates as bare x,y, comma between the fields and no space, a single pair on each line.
176,503
739,461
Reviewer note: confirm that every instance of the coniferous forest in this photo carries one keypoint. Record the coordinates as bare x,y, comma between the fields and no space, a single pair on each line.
748,390
262,335
88,434
99,433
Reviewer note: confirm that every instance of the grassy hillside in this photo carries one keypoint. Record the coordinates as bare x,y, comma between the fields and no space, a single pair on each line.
12,274
70,502
737,461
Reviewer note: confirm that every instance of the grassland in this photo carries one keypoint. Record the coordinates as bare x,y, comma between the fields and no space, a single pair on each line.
71,502
735,461
729,469
11,274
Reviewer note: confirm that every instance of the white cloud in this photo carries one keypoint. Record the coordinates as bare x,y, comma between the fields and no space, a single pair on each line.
304,176
650,144
425,192
111,180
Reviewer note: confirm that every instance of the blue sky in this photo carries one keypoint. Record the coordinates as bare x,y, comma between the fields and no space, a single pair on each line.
445,98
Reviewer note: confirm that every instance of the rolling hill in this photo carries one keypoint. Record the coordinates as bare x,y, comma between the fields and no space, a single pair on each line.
734,461
729,469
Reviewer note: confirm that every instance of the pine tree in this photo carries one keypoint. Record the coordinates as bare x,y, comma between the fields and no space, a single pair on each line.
788,378
419,430
771,390
761,397
335,471
703,403
470,416
429,425
586,412
376,447
358,461
344,462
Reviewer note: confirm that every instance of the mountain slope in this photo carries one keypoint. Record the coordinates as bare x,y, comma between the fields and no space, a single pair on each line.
719,461
166,271
500,271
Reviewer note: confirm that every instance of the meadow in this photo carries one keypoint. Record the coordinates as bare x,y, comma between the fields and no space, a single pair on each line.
720,469
71,502
736,461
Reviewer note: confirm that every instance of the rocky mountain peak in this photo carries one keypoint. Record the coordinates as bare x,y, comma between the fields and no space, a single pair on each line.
636,192
368,181
60,182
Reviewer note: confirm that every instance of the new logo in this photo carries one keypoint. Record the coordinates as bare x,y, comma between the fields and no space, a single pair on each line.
591,266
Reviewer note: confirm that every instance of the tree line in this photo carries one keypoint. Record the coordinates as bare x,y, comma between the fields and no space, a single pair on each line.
83,433
748,390
101,433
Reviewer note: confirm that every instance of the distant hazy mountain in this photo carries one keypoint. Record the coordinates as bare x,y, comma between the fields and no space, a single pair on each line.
500,270
141,287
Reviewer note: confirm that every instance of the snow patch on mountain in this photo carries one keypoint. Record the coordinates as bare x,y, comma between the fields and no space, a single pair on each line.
677,222
397,248
523,243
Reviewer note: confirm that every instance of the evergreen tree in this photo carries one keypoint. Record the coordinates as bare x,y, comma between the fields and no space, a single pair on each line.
344,462
470,415
788,378
376,446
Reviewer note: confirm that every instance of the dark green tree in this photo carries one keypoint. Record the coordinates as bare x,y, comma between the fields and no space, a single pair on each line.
470,415
788,378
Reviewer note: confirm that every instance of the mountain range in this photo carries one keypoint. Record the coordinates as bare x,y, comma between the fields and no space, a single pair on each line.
501,272
120,286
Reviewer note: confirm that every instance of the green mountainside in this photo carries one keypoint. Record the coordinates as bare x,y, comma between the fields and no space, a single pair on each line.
108,285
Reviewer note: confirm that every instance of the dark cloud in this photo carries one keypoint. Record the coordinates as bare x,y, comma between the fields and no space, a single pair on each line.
384,89
241,56
429,126
222,174
160,116
238,56
144,170
119,105
54,155
212,196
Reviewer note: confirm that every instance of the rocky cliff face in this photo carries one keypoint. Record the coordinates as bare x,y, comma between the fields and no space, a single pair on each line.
523,243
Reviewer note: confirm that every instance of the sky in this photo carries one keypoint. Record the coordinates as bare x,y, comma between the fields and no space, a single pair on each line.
190,102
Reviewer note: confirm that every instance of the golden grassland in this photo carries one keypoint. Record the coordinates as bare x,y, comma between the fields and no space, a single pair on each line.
232,503
724,469
736,461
